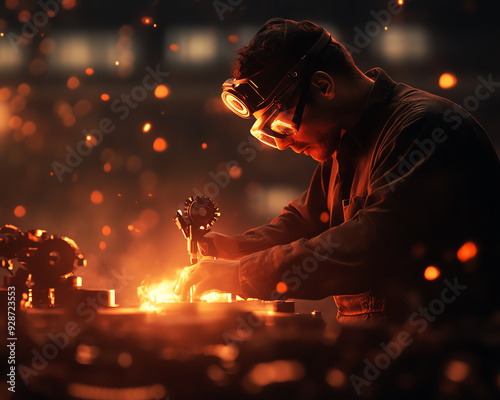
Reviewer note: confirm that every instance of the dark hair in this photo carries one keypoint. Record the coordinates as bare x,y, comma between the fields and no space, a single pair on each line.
269,50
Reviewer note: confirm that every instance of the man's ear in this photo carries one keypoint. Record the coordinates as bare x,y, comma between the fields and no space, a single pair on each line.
324,83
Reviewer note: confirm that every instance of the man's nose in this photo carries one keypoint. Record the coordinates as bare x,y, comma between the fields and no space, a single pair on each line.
284,143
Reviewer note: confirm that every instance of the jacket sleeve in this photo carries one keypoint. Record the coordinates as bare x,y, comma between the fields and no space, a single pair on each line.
414,178
299,219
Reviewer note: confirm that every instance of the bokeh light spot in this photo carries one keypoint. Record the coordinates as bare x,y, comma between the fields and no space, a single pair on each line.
23,89
457,371
161,91
73,82
147,127
467,251
281,287
324,217
89,71
106,230
431,273
96,197
174,47
19,211
104,97
160,144
447,81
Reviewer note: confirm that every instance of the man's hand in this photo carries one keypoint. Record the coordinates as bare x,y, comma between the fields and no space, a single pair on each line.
219,245
209,274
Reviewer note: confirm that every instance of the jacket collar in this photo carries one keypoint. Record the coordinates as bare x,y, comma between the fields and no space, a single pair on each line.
382,92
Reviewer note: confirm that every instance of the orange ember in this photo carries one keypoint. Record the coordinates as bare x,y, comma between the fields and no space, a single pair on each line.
467,251
431,273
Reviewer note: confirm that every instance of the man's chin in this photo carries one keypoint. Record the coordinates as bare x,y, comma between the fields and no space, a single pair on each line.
319,155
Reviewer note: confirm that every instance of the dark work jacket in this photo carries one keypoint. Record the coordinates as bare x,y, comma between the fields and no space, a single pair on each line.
413,181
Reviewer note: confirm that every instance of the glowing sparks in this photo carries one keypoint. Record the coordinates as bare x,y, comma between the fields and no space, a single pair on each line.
102,245
104,97
161,91
117,62
107,167
106,230
431,273
174,47
19,211
401,2
160,144
130,227
467,251
146,20
447,81
89,71
96,197
147,127
204,146
233,38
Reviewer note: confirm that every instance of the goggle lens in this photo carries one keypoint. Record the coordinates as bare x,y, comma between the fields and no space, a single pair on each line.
235,105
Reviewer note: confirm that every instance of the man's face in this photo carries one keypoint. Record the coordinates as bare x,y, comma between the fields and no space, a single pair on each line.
318,136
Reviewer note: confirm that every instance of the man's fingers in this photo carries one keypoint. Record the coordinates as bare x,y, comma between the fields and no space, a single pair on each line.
190,276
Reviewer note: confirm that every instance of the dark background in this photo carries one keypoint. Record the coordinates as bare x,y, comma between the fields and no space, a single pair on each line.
144,188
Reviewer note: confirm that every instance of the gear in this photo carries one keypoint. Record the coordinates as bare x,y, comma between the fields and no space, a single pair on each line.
201,211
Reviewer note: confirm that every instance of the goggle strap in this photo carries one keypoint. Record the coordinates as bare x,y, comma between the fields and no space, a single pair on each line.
301,104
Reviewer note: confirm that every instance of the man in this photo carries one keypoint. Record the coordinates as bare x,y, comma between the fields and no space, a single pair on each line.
404,181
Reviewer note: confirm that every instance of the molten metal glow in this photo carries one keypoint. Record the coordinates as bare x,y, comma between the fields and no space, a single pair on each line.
153,296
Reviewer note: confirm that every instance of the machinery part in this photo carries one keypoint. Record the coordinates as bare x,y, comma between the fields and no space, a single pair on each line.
48,259
200,213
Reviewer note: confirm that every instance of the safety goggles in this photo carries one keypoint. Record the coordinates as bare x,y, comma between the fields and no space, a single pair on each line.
246,96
